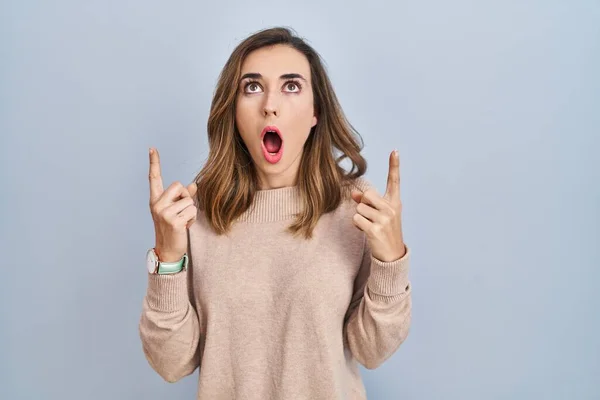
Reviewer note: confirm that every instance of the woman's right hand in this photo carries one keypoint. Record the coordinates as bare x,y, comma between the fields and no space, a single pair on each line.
173,212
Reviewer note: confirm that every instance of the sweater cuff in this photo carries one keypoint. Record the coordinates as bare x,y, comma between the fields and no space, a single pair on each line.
167,293
389,278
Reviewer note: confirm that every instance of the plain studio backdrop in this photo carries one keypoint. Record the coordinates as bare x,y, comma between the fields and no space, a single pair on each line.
494,106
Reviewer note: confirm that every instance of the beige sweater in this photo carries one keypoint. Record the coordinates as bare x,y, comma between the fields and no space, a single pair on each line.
264,315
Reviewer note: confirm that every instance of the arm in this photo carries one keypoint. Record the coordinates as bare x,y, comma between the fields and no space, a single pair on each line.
169,324
169,327
379,315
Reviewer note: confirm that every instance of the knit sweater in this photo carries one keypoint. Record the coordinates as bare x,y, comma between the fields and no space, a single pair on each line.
265,315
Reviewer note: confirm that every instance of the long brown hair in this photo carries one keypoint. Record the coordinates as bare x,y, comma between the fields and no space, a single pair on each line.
228,180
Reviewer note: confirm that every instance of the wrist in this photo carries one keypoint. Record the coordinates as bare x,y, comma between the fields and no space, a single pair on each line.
162,267
391,257
166,256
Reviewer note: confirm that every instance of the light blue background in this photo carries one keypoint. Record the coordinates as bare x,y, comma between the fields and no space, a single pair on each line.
494,106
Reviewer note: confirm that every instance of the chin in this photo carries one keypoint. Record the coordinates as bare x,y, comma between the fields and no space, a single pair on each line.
273,169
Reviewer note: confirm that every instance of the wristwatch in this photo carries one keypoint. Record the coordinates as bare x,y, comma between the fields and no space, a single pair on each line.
155,266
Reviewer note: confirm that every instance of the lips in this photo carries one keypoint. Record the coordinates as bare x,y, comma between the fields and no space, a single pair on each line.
272,144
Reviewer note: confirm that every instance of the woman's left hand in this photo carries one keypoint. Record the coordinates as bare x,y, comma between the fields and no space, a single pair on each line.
380,217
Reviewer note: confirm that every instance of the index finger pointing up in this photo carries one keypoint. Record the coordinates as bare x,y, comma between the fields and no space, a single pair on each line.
154,176
392,191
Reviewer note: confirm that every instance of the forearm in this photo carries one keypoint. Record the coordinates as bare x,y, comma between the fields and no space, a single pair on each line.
169,327
380,322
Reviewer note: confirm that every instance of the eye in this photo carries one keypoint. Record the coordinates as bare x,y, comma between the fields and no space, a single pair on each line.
252,87
292,86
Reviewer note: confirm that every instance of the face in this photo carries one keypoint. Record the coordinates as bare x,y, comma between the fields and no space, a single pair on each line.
275,112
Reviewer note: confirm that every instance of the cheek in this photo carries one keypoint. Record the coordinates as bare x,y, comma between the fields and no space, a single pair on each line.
304,112
302,122
243,117
240,112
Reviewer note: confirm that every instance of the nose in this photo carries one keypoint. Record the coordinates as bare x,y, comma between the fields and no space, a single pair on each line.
271,107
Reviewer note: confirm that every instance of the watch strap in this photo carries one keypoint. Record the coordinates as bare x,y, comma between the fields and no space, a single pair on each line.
165,268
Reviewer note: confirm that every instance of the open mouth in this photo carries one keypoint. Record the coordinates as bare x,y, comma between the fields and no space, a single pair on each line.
272,144
272,141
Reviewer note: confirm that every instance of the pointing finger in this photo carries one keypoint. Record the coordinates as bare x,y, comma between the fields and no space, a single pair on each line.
393,183
154,176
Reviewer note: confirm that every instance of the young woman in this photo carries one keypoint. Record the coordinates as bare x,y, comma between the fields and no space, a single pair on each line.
276,271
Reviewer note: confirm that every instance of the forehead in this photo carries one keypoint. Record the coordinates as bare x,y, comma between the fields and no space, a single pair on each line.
276,60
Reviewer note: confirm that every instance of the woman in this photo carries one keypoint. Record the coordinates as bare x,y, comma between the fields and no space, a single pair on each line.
277,271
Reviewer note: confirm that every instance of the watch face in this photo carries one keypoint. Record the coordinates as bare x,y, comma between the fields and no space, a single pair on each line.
151,261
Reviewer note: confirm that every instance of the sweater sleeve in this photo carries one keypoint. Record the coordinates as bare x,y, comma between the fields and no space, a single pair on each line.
169,326
379,315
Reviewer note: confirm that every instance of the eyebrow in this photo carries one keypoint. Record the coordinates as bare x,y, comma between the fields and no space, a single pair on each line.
256,75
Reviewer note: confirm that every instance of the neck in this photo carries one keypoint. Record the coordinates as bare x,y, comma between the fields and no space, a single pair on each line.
280,180
276,182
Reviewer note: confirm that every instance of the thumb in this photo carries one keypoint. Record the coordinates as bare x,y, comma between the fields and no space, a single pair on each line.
357,196
192,188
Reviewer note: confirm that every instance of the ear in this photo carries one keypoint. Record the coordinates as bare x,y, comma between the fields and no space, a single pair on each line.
314,121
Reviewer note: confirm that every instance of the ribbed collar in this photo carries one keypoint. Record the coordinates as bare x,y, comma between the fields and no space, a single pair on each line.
271,205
